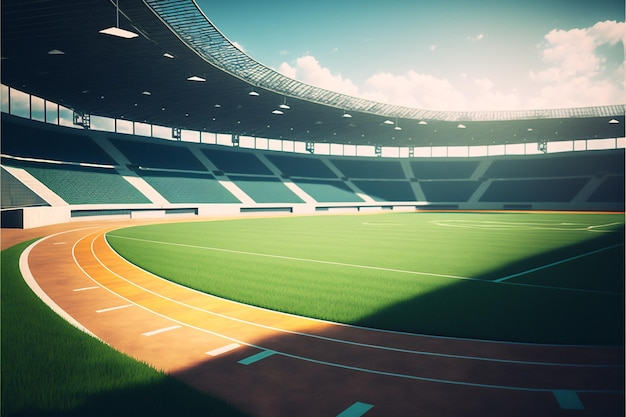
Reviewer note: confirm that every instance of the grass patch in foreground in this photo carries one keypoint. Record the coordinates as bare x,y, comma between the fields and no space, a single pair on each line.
361,270
49,368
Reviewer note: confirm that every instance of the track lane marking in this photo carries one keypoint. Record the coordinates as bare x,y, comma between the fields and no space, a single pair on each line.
325,338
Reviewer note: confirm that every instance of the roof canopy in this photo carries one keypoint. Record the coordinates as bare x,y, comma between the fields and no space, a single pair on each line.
180,71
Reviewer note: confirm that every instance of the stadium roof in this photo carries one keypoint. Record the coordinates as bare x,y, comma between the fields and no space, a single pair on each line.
180,71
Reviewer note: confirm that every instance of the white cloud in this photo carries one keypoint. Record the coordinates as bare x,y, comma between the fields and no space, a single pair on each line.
574,74
308,70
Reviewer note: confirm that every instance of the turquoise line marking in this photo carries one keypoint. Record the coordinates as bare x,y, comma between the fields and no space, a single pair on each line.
255,358
568,400
355,410
557,263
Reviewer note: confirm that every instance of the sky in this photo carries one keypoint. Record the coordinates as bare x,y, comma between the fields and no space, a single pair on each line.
454,55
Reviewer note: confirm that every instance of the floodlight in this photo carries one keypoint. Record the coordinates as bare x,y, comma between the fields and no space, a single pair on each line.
116,30
120,33
284,105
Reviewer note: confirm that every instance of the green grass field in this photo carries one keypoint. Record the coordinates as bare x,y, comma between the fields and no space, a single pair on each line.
50,368
528,277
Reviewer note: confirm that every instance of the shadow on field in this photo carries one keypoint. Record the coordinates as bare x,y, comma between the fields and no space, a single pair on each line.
529,308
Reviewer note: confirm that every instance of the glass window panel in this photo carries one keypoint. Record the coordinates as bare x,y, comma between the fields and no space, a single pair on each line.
20,105
37,109
4,97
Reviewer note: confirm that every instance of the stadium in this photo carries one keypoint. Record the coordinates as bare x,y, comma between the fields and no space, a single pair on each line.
186,231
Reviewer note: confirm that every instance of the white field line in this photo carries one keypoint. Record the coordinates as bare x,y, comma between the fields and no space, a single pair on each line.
593,252
291,258
376,268
332,364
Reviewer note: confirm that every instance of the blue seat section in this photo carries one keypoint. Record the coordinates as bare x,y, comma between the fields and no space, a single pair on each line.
83,185
298,166
236,162
41,141
265,189
587,164
387,190
16,194
443,169
188,187
370,168
551,190
157,155
611,190
328,191
449,191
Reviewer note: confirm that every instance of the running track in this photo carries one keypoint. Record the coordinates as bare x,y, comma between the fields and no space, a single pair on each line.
272,364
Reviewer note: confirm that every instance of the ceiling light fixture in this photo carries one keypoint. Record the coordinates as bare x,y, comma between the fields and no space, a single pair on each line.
461,126
168,55
253,93
196,78
285,106
277,112
614,121
56,52
116,30
422,122
388,122
346,115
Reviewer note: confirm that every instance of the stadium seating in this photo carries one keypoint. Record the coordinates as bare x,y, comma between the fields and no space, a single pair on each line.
157,155
236,162
83,185
41,141
177,173
188,187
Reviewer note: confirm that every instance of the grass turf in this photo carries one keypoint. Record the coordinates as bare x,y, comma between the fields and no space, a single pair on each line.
49,368
404,271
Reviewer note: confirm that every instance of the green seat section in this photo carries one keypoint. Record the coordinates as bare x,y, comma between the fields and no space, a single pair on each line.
84,185
611,190
552,190
158,155
443,168
387,190
328,191
265,189
16,194
188,187
43,141
448,191
236,162
300,166
369,168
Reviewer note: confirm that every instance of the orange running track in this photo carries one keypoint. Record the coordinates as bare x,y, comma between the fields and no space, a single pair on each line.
272,364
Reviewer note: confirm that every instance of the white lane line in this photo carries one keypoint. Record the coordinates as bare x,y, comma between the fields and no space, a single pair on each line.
311,360
86,289
106,310
59,243
593,252
341,341
223,349
163,330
